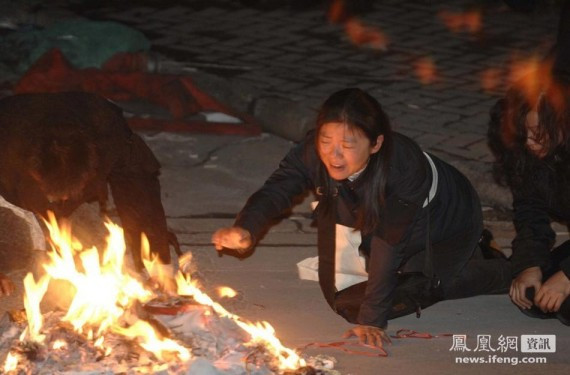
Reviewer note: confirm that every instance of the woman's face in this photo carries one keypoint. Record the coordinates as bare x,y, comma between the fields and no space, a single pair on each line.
534,143
344,151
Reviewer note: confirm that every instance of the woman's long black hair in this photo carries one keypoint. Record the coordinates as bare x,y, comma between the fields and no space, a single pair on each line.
507,136
361,112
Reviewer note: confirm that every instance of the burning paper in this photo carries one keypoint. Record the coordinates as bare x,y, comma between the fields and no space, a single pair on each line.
116,323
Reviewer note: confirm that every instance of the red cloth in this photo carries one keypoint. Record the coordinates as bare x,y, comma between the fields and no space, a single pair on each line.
122,79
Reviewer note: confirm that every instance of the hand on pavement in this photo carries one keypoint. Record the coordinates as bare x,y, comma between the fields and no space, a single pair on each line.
531,277
369,335
553,292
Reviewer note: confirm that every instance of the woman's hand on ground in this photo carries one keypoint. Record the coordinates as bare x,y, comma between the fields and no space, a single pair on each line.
369,335
6,286
553,292
234,238
531,277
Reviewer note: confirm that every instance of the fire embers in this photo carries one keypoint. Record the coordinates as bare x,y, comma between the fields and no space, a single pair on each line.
467,21
357,31
425,70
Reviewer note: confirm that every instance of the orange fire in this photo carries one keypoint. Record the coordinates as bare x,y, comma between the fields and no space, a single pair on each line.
491,79
337,11
104,293
59,344
10,363
531,76
226,292
261,333
456,22
358,33
425,70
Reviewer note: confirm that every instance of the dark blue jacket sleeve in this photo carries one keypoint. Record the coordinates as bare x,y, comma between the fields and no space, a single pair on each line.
383,265
277,195
534,235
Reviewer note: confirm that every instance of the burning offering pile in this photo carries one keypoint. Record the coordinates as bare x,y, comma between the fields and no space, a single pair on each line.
118,323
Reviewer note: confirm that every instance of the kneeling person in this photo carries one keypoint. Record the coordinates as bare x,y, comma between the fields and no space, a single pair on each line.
418,218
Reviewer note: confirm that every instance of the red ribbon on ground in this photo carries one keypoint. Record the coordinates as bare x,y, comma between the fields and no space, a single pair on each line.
411,334
375,351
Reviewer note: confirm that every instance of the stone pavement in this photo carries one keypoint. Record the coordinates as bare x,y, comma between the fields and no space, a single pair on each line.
279,64
436,83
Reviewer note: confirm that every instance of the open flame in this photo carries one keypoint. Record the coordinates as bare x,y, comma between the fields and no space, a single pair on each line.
105,294
531,76
10,363
226,292
261,333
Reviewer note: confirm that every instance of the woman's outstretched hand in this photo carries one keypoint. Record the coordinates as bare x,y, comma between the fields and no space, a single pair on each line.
531,277
6,285
234,238
369,335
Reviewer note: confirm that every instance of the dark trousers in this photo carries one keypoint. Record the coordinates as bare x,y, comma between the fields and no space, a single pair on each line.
415,292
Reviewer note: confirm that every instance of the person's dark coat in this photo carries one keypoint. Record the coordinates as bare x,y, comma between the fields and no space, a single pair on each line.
539,200
125,163
455,217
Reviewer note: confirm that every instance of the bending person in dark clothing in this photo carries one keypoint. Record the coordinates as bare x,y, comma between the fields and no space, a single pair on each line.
418,218
529,135
60,150
530,139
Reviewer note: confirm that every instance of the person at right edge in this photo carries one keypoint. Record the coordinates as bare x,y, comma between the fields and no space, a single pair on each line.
529,136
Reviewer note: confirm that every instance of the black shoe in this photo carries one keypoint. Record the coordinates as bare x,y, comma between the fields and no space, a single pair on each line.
534,311
488,247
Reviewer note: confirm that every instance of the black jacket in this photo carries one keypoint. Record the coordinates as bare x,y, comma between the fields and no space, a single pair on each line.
455,218
543,199
125,162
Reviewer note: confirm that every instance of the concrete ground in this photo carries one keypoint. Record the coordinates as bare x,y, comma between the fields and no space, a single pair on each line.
279,64
268,282
205,181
